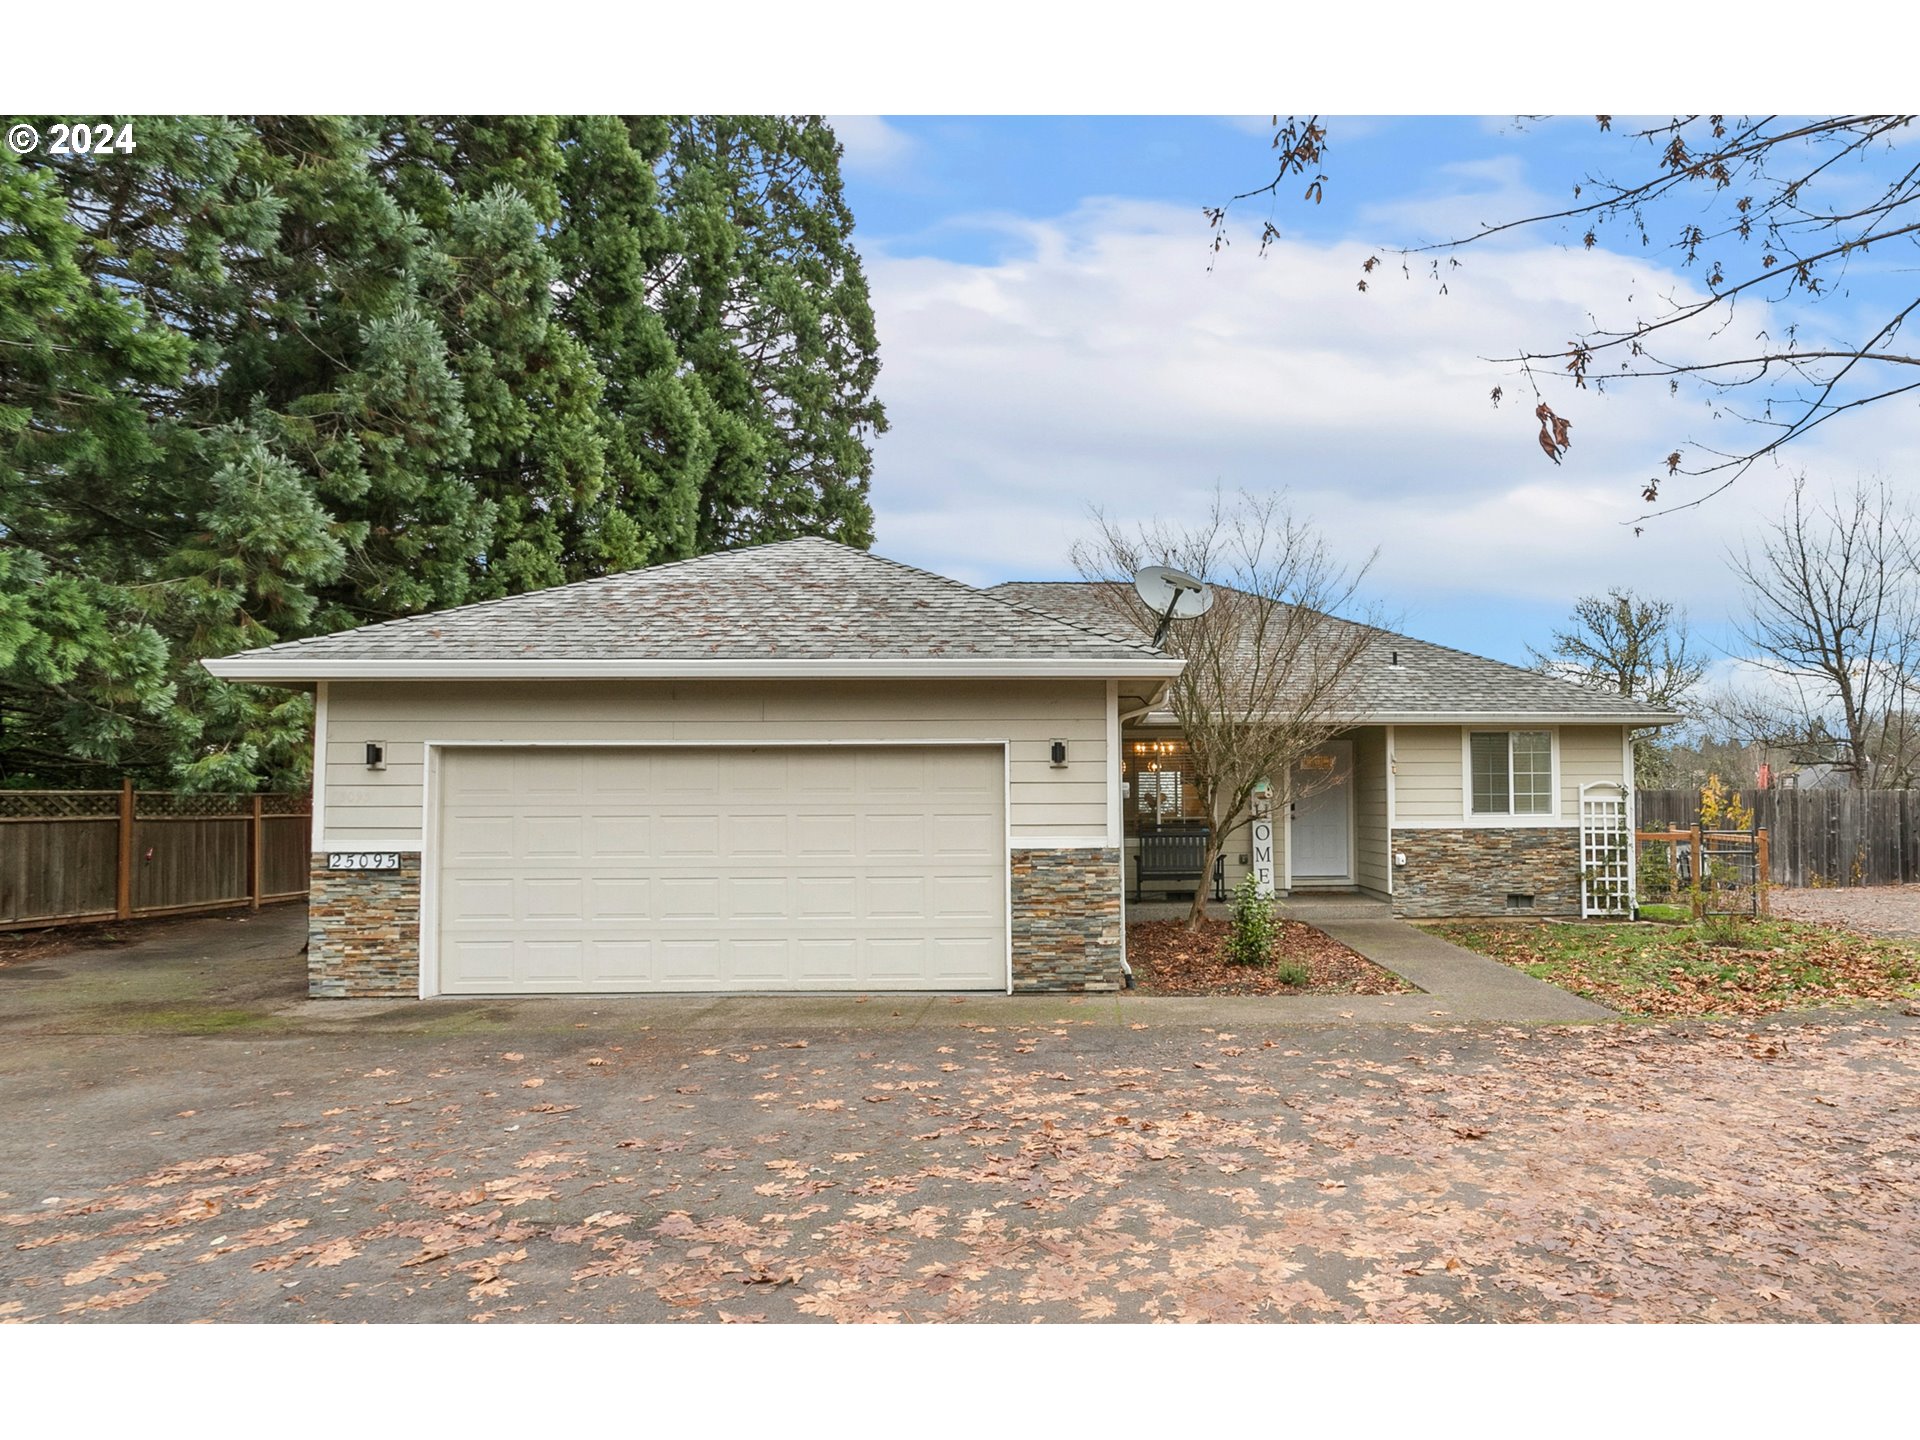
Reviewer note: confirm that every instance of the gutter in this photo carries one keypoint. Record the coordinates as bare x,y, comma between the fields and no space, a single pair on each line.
294,669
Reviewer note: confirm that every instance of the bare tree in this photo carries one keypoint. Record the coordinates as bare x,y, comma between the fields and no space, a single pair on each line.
1765,210
1833,618
1271,667
1627,645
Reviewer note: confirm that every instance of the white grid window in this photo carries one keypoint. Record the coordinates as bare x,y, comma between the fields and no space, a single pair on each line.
1512,772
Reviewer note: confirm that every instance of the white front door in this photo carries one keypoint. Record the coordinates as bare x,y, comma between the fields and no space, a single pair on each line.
1321,844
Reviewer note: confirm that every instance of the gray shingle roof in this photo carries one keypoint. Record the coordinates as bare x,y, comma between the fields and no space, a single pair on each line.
1428,680
803,600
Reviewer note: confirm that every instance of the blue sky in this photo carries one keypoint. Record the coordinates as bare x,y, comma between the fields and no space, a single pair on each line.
1051,338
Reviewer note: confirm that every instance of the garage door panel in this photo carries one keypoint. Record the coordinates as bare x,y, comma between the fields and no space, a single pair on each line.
826,897
962,836
758,897
618,900
759,964
824,962
692,775
955,959
897,897
478,964
759,868
965,897
617,964
620,836
894,837
686,836
553,962
687,897
551,900
549,774
472,836
749,837
481,900
825,837
691,960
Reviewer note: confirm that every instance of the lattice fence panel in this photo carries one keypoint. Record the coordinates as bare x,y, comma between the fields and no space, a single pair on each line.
1606,852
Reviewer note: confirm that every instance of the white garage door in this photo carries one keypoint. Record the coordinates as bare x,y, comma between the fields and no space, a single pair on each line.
581,870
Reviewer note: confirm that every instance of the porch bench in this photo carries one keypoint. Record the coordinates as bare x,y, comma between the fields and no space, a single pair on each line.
1174,855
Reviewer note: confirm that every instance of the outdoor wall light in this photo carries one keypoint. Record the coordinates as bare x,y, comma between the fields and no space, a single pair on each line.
1059,755
376,755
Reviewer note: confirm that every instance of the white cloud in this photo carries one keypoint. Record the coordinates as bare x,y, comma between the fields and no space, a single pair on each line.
870,145
1104,365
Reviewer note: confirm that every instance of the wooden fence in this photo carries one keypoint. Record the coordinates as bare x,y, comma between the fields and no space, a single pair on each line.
72,856
1818,837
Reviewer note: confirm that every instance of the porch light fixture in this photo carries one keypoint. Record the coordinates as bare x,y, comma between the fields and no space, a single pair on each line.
376,755
1058,755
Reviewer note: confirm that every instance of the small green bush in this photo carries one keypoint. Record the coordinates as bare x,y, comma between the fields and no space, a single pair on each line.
1728,930
1292,972
1255,925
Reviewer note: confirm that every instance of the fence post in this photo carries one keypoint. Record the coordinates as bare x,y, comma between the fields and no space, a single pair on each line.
253,855
1699,857
1761,873
123,873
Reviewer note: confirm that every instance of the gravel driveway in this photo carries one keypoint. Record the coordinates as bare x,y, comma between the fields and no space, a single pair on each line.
1892,910
182,1146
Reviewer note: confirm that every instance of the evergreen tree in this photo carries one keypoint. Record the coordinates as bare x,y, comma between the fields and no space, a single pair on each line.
272,377
769,305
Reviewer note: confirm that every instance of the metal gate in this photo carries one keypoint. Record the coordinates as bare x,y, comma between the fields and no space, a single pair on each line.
1606,851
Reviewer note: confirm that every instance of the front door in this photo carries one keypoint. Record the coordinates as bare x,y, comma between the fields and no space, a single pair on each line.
1321,844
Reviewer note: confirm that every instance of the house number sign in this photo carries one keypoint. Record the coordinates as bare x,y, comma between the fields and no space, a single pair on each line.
363,860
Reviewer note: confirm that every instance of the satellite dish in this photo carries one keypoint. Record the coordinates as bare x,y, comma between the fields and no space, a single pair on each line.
1172,595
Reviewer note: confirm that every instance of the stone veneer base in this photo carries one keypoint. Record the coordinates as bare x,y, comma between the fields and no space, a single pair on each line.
1067,925
1472,871
363,931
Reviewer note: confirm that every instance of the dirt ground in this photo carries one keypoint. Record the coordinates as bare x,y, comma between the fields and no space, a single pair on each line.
188,1140
1892,910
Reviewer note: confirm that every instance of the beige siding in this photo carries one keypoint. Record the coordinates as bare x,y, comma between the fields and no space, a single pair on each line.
1370,807
382,809
1588,754
1426,774
1428,766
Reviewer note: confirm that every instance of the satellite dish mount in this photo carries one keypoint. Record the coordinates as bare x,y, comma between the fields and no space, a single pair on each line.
1172,595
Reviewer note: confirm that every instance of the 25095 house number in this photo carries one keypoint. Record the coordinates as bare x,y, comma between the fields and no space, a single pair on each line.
363,860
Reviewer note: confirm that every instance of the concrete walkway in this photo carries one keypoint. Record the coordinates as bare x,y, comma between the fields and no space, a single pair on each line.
1459,984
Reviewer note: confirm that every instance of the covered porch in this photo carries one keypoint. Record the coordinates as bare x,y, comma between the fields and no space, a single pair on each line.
1331,818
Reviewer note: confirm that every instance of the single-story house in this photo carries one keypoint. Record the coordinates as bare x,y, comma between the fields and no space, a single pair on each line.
801,767
1460,786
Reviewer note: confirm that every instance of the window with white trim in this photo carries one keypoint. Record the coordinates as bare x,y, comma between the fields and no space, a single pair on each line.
1512,772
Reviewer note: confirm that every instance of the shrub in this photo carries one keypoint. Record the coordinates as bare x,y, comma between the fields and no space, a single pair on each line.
1730,930
1255,925
1292,972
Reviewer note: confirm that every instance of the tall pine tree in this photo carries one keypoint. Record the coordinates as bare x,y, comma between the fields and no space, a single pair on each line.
268,378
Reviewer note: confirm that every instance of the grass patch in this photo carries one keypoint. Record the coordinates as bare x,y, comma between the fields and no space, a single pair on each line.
1743,967
1668,914
191,1022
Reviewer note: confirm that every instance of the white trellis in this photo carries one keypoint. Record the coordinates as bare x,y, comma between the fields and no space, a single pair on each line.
1606,851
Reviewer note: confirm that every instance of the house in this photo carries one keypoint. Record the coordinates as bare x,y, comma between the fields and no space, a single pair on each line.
800,767
797,767
1458,786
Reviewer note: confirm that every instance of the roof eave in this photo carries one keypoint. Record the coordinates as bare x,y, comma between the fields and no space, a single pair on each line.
1477,717
296,669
